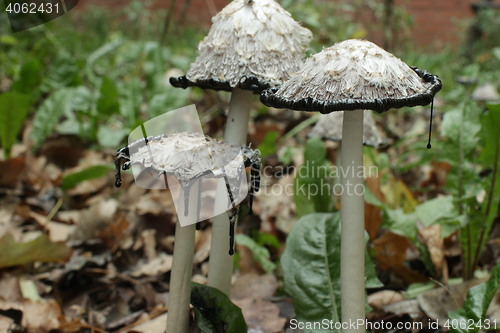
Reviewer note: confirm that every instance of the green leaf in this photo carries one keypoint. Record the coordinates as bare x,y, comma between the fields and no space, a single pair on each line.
111,137
108,103
401,223
29,78
14,108
313,186
436,209
260,253
64,72
463,125
54,107
93,172
476,304
215,313
169,99
40,249
311,267
268,145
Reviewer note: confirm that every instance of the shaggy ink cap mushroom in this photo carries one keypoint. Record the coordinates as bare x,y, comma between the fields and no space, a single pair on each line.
189,157
329,127
352,75
252,45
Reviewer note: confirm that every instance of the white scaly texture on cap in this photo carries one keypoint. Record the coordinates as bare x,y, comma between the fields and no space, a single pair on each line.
329,127
251,38
188,156
353,69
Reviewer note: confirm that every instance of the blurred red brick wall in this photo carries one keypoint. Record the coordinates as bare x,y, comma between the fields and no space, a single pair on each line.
436,23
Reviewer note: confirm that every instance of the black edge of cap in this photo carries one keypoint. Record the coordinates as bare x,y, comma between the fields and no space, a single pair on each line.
247,83
269,98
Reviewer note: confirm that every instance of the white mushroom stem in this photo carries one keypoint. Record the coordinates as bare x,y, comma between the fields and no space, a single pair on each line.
220,267
352,262
182,270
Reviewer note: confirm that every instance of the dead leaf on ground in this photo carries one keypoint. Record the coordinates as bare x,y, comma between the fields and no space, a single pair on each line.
409,307
261,315
253,285
9,285
12,170
154,267
155,325
276,205
373,216
436,303
38,317
40,249
431,237
383,298
390,255
94,219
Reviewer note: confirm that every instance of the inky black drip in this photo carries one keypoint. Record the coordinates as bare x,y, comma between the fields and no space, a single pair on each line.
233,213
254,185
430,126
232,223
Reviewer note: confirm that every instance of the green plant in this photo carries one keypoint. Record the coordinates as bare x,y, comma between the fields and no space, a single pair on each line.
311,268
215,312
472,316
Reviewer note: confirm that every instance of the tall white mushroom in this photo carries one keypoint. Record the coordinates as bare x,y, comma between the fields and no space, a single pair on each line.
189,158
329,127
251,46
353,75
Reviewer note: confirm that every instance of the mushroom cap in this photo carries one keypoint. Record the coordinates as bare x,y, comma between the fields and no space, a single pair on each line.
350,75
329,127
252,45
189,156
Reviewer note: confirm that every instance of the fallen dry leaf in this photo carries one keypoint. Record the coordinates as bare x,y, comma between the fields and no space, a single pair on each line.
94,219
261,315
154,267
382,298
12,170
275,206
38,317
253,285
436,303
373,217
431,237
390,255
40,249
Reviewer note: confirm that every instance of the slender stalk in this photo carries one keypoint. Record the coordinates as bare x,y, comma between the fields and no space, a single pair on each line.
352,251
182,270
220,267
486,229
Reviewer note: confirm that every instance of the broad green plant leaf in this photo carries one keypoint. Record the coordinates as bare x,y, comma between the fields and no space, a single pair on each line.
472,316
14,108
215,313
93,172
108,102
311,268
313,186
61,102
29,78
462,126
259,252
40,249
